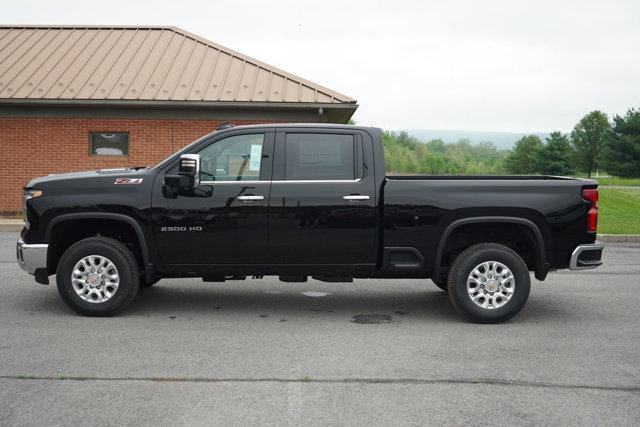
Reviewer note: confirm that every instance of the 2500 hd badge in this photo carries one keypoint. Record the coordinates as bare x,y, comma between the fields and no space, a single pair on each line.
194,228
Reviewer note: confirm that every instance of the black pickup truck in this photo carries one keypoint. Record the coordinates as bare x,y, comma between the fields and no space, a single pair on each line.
297,201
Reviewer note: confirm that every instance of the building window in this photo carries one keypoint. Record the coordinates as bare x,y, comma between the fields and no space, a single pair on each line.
109,143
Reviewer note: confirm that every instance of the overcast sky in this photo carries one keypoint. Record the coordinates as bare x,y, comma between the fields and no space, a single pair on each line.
518,66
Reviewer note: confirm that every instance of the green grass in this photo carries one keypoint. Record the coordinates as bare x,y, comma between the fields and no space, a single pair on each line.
611,180
614,180
619,211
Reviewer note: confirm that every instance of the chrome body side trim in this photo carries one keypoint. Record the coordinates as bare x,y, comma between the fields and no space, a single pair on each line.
355,197
31,257
250,198
573,264
233,182
317,181
309,181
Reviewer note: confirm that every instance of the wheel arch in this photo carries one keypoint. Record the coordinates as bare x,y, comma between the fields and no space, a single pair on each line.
540,247
78,218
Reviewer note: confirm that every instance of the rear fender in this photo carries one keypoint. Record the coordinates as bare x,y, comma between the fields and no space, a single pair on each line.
541,267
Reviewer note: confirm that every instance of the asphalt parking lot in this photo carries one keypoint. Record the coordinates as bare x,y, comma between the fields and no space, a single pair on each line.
370,352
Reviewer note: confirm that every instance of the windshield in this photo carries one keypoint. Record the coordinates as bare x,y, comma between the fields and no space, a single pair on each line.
166,159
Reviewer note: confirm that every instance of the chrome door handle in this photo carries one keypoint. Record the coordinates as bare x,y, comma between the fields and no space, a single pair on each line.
250,198
355,197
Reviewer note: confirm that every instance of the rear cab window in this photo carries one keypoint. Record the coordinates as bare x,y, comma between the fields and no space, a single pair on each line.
319,156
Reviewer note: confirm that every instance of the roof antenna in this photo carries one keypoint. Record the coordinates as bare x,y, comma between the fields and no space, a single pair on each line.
225,125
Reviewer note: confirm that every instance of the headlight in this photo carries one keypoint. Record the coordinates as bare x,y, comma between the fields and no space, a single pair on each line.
26,195
31,194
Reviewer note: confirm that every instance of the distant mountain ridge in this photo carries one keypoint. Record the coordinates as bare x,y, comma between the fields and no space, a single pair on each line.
504,140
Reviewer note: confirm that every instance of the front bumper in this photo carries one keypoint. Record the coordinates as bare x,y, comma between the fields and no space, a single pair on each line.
586,256
32,258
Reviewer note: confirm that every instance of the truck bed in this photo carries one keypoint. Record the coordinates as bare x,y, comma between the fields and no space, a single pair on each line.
424,205
480,177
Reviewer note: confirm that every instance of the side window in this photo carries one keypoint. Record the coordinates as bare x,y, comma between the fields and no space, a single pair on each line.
236,158
315,156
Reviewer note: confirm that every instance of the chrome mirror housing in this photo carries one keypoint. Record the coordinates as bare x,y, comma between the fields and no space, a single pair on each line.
190,167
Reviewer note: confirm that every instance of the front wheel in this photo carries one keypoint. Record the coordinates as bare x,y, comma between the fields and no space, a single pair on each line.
488,283
97,276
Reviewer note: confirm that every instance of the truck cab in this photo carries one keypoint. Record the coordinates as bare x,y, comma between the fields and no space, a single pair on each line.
262,191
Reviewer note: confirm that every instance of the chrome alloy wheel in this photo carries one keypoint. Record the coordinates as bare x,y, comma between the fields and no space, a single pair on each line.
95,278
490,285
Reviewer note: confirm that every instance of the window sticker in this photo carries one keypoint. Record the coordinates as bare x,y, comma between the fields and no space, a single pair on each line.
256,157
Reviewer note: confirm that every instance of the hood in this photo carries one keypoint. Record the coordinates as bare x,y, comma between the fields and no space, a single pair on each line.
83,175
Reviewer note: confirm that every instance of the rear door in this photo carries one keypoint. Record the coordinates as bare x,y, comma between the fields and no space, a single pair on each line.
322,207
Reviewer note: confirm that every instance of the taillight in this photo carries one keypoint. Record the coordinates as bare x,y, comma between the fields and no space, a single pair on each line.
591,195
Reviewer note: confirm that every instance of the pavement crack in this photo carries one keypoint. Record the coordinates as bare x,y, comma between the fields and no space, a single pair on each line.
355,380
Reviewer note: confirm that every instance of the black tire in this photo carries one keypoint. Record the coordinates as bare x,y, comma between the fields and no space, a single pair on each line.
144,284
441,283
465,263
119,255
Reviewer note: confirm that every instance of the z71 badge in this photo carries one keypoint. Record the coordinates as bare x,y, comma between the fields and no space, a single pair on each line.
128,181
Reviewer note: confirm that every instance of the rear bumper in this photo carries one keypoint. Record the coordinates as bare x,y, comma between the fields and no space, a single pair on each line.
32,258
586,256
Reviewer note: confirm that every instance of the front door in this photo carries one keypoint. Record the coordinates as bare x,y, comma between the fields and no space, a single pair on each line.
225,221
323,198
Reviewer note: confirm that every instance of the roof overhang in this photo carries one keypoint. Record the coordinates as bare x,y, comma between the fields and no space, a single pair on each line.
97,108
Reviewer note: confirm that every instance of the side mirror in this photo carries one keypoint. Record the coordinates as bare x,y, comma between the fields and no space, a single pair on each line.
188,177
176,182
190,167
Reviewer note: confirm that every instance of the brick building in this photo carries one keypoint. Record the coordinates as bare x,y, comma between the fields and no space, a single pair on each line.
76,98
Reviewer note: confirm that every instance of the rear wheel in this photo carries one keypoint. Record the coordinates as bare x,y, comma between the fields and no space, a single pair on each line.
145,284
488,283
97,276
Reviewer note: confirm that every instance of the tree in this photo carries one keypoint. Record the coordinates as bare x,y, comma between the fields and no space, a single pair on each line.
521,160
622,152
554,158
588,139
436,146
406,154
399,157
403,138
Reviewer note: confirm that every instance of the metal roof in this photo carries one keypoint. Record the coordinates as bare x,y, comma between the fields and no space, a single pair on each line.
65,63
